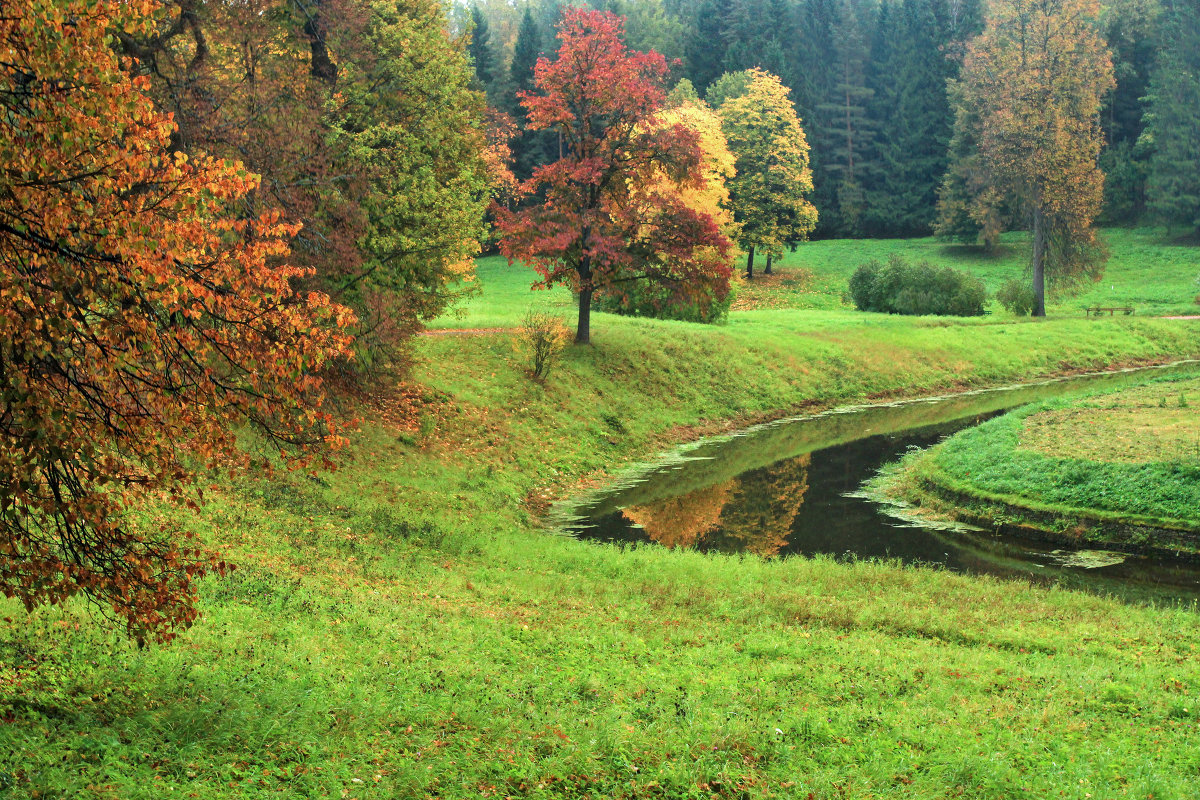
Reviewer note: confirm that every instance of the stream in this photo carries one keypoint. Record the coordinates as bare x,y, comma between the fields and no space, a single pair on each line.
793,487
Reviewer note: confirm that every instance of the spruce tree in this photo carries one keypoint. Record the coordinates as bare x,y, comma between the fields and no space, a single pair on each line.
480,50
1132,31
704,50
847,139
1174,184
912,116
531,148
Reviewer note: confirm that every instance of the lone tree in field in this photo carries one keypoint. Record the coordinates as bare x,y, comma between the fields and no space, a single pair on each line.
140,322
772,174
1037,76
607,217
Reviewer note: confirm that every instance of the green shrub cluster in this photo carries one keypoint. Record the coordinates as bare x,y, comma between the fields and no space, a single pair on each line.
899,287
644,298
1016,296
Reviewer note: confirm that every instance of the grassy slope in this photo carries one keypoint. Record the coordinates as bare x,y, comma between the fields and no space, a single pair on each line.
1130,456
403,629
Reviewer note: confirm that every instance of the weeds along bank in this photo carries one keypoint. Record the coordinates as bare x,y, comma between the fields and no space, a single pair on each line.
1116,469
403,627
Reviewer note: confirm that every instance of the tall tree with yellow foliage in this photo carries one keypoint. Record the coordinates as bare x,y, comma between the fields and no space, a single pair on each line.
768,193
1037,76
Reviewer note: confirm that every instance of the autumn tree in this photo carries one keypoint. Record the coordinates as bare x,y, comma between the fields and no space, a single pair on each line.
1037,75
772,177
359,116
142,318
605,218
669,299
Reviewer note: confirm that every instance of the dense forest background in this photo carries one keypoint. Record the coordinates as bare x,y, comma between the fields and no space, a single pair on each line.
870,81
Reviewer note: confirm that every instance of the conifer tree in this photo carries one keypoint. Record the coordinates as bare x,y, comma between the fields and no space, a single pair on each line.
846,141
480,49
1174,184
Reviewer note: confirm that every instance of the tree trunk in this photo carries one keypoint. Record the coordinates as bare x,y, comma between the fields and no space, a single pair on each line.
583,331
767,269
1039,262
750,262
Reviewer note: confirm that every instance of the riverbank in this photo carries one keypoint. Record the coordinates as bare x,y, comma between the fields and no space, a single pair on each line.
1116,469
404,627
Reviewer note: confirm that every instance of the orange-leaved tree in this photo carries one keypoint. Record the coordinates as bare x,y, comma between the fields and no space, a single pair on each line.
140,324
607,216
1037,76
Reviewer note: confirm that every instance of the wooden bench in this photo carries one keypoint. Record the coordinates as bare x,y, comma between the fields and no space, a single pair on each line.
1098,310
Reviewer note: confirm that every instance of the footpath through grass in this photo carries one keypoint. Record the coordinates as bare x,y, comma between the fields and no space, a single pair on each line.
404,628
1108,467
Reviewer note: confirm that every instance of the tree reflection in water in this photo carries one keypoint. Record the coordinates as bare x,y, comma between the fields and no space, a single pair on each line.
752,513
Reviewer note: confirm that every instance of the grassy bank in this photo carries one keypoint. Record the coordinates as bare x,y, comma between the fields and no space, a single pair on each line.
1117,468
404,628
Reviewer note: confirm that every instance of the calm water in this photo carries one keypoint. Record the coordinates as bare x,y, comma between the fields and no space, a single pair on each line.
787,488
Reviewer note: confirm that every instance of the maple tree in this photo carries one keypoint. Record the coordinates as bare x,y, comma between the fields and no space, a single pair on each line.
605,216
142,318
772,170
1037,76
707,300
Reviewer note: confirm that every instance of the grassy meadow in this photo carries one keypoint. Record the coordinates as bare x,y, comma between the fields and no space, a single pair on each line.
406,628
1104,460
1146,271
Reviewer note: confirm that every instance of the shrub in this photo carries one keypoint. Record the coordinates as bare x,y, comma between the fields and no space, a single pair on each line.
915,289
544,337
643,298
1016,296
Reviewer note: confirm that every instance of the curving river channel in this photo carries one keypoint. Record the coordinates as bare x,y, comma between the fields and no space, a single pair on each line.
794,487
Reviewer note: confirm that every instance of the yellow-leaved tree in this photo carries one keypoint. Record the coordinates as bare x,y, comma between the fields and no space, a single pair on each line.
768,191
709,195
1037,76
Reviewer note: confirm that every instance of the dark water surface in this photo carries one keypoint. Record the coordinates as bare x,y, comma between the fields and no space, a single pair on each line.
789,488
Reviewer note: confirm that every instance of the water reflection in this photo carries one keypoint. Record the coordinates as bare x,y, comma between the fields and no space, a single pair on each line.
752,513
789,489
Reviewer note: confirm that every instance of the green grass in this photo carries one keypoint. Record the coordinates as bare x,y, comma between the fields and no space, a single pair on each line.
405,628
1127,457
1145,271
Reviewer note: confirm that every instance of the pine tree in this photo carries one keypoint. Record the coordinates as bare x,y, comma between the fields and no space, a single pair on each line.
1174,184
847,140
480,50
1132,31
912,116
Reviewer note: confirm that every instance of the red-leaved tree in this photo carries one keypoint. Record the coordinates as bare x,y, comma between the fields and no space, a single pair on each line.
607,215
141,322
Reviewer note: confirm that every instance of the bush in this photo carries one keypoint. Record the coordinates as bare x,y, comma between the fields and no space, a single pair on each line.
1016,296
644,298
544,337
916,289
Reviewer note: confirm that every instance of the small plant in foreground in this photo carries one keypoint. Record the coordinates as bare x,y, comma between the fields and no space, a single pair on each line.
544,336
